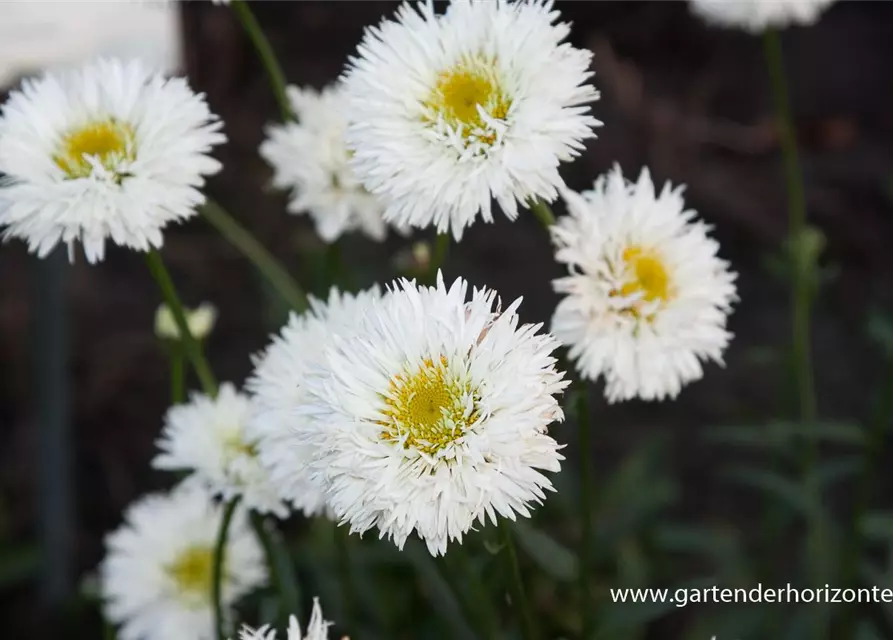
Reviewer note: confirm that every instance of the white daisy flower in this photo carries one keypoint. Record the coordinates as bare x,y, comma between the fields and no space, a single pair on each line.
279,388
448,112
156,576
758,15
310,158
434,415
209,436
108,152
200,320
647,296
318,629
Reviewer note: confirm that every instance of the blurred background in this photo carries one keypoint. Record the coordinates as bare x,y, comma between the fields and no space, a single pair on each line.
699,491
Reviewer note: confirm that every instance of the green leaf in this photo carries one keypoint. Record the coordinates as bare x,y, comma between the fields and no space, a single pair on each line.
834,471
550,555
877,526
779,435
773,484
624,505
715,543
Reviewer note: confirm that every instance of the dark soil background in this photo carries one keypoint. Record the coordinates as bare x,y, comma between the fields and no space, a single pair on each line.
688,101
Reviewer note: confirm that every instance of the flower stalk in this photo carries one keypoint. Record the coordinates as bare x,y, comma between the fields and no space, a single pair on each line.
543,212
278,560
516,584
802,266
178,375
218,568
342,551
242,239
267,56
441,249
190,344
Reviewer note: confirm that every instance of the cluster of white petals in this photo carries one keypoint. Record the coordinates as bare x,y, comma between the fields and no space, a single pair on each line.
112,151
448,112
317,628
209,437
156,577
647,298
279,386
429,412
758,15
310,157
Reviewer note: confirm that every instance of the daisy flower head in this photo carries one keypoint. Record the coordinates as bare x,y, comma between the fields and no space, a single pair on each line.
647,298
111,151
156,576
434,413
210,438
317,629
756,16
448,112
279,387
310,158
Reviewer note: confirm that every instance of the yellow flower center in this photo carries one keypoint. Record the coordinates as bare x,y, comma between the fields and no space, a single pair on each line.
234,445
107,141
461,89
191,571
648,275
429,408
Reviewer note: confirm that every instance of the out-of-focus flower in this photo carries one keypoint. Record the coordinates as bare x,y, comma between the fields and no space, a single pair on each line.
758,15
280,384
450,112
156,576
647,298
209,437
310,158
112,151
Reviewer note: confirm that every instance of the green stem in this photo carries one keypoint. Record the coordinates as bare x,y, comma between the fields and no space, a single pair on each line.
342,549
801,271
217,568
269,267
519,596
190,344
281,569
336,272
471,592
178,377
441,249
543,212
585,512
796,228
267,56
